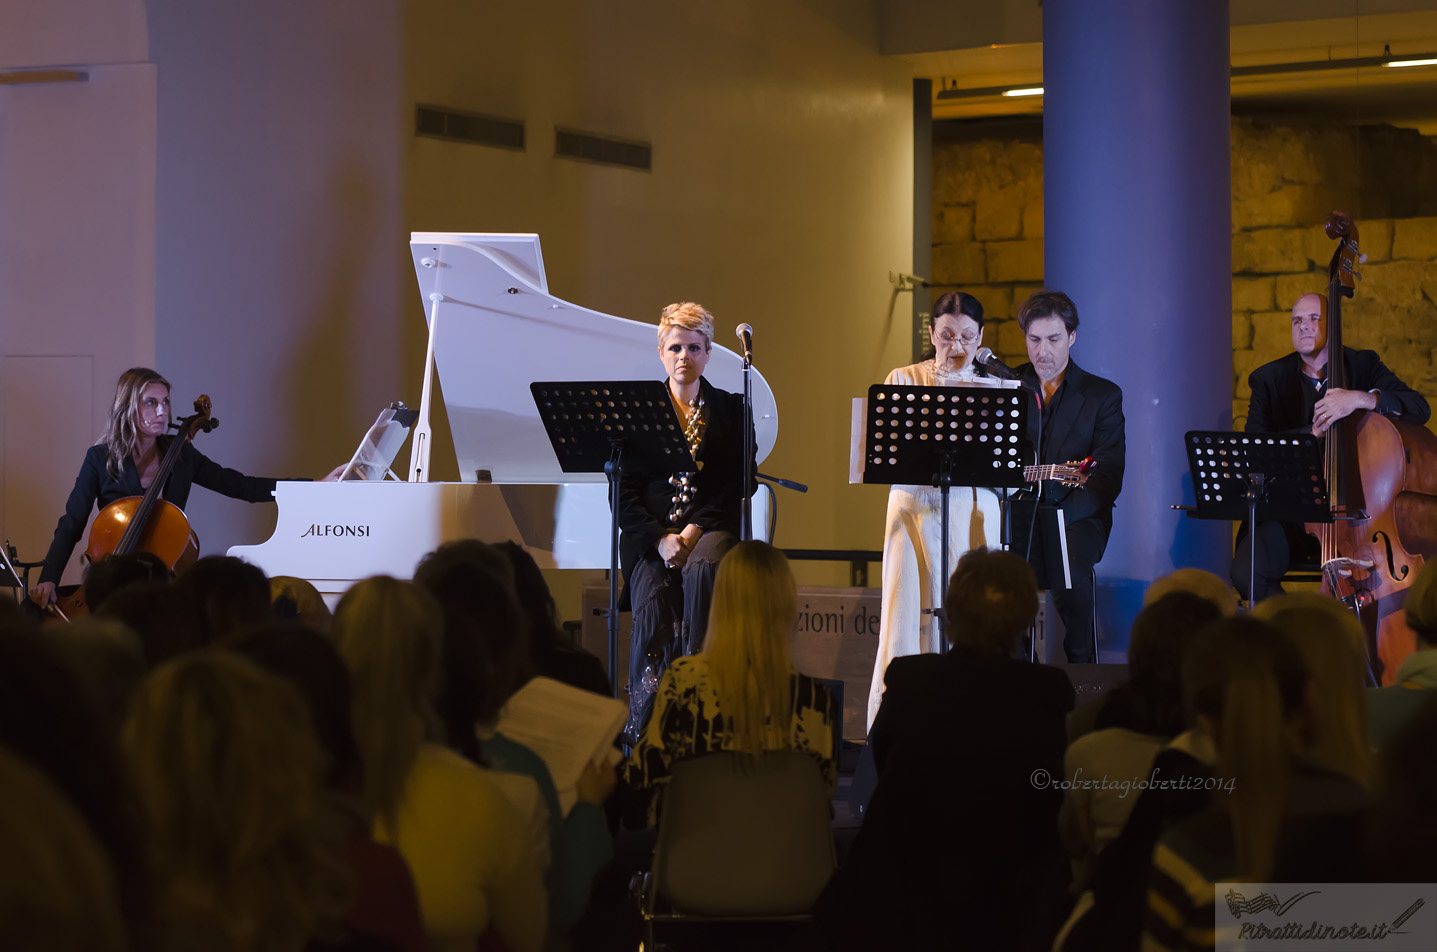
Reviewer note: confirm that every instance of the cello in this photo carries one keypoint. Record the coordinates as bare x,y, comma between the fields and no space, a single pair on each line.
148,523
1382,493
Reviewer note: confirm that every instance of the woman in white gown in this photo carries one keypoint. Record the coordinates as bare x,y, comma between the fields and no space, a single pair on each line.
912,542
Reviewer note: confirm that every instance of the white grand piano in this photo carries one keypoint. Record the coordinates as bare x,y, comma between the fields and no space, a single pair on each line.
494,328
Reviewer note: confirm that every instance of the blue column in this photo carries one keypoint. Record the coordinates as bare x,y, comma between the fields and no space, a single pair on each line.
1138,223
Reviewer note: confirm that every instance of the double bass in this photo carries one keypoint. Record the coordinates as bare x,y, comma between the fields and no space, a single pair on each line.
1382,491
148,523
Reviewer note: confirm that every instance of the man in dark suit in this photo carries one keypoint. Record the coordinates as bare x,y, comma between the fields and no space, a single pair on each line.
1079,415
960,837
676,527
1290,395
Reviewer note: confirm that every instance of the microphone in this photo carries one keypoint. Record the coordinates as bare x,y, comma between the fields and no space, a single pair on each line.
745,336
993,365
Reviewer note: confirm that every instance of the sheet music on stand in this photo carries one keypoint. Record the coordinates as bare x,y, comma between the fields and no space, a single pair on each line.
381,444
1287,469
907,429
942,437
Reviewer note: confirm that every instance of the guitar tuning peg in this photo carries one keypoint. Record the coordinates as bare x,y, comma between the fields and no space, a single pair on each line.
1362,259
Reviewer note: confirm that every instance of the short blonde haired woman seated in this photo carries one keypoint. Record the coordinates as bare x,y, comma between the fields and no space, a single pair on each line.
741,693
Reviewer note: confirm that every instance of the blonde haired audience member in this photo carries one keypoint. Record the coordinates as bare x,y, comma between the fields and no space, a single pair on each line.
1330,639
1199,582
57,887
741,693
228,775
1246,687
462,839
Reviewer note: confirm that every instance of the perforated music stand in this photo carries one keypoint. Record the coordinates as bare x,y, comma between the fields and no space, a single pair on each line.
601,427
1237,476
945,437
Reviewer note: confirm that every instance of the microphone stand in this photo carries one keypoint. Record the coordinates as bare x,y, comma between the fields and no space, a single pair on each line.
746,511
999,369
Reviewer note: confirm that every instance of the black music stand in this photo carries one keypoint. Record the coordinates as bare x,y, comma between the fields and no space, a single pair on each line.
1238,476
945,437
601,427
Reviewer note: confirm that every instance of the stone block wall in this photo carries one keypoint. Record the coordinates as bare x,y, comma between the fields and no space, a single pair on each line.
1393,310
988,236
988,230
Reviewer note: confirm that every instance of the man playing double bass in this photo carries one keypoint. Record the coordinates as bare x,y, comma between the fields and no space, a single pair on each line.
1290,395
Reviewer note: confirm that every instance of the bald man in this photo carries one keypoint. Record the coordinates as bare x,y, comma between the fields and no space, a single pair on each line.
1290,395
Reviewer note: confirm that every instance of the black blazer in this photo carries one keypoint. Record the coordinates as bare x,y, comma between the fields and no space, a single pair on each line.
1278,403
1087,422
969,751
95,485
645,496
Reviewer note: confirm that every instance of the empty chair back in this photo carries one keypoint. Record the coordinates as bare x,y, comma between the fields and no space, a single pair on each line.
741,837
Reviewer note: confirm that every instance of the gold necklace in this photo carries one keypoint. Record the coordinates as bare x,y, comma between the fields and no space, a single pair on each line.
684,488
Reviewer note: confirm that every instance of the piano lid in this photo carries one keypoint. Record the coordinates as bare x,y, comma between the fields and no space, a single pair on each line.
499,330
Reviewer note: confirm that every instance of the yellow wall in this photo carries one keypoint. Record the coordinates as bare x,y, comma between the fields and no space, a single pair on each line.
288,178
780,195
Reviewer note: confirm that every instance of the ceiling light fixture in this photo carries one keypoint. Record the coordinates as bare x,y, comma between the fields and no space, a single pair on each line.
1265,69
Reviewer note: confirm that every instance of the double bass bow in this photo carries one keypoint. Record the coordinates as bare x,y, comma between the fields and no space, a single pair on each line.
149,523
1382,491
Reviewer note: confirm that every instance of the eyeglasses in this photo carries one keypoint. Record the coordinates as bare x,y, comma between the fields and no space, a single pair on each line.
968,339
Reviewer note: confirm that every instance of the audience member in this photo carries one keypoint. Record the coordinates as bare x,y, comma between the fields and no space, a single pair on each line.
1329,638
1199,582
108,576
461,837
741,693
554,656
1391,707
1402,840
229,595
48,719
105,654
57,887
486,651
1245,686
961,832
1141,717
228,774
484,624
163,619
385,905
296,599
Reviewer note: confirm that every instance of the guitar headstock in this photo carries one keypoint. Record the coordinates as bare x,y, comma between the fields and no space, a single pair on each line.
1074,473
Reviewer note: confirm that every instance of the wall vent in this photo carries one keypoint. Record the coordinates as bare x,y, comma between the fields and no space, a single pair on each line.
585,147
458,126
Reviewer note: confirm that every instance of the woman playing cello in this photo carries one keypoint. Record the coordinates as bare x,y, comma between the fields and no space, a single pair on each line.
126,462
